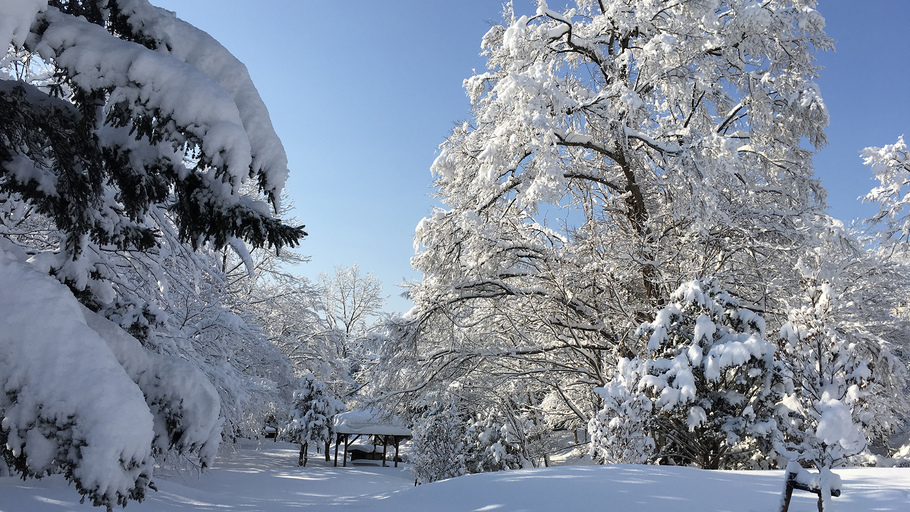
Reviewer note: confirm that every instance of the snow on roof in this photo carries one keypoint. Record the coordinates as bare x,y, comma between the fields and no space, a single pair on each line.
369,421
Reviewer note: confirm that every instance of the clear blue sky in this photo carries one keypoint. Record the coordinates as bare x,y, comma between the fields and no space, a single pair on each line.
362,92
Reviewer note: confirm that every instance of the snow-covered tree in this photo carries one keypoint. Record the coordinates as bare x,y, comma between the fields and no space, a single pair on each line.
311,415
616,150
128,138
438,446
847,386
350,300
712,377
890,165
493,444
349,305
83,398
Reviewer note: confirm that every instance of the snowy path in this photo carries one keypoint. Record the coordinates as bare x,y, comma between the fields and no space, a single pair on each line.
268,480
264,479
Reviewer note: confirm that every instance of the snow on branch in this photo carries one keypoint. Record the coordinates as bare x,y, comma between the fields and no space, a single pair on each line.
66,401
890,164
189,44
665,148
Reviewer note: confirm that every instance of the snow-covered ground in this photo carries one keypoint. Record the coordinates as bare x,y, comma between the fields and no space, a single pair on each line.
266,478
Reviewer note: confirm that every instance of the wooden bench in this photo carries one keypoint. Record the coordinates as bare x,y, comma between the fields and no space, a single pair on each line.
793,482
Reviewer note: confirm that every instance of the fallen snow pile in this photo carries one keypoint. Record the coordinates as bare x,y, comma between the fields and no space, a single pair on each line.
267,479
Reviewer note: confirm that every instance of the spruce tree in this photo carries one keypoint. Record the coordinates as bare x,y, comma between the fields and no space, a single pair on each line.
312,412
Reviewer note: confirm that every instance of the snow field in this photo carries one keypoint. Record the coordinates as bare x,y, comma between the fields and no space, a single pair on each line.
266,478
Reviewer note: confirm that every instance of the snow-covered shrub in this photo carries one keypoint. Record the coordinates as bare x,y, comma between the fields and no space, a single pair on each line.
311,414
712,378
437,448
619,430
492,444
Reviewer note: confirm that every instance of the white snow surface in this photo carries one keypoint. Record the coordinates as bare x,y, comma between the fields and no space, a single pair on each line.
266,478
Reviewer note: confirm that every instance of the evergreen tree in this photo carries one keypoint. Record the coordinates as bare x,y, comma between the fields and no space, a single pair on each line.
619,431
128,139
846,384
493,444
312,412
712,378
438,447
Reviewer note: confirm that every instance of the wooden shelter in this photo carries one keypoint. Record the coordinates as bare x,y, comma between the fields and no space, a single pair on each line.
353,425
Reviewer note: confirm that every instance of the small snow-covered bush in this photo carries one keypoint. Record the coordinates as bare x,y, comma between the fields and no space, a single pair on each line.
833,406
619,431
492,444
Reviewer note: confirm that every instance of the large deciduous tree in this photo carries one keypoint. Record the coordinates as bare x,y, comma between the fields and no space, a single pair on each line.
128,139
617,149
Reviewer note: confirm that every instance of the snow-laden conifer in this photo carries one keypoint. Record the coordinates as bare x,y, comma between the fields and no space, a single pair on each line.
492,444
129,138
312,411
620,429
846,383
712,378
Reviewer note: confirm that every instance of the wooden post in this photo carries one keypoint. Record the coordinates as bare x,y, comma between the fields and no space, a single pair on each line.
347,442
337,440
788,492
792,484
385,443
397,442
327,456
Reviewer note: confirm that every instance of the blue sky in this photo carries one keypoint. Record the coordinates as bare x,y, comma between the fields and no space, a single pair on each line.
362,92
